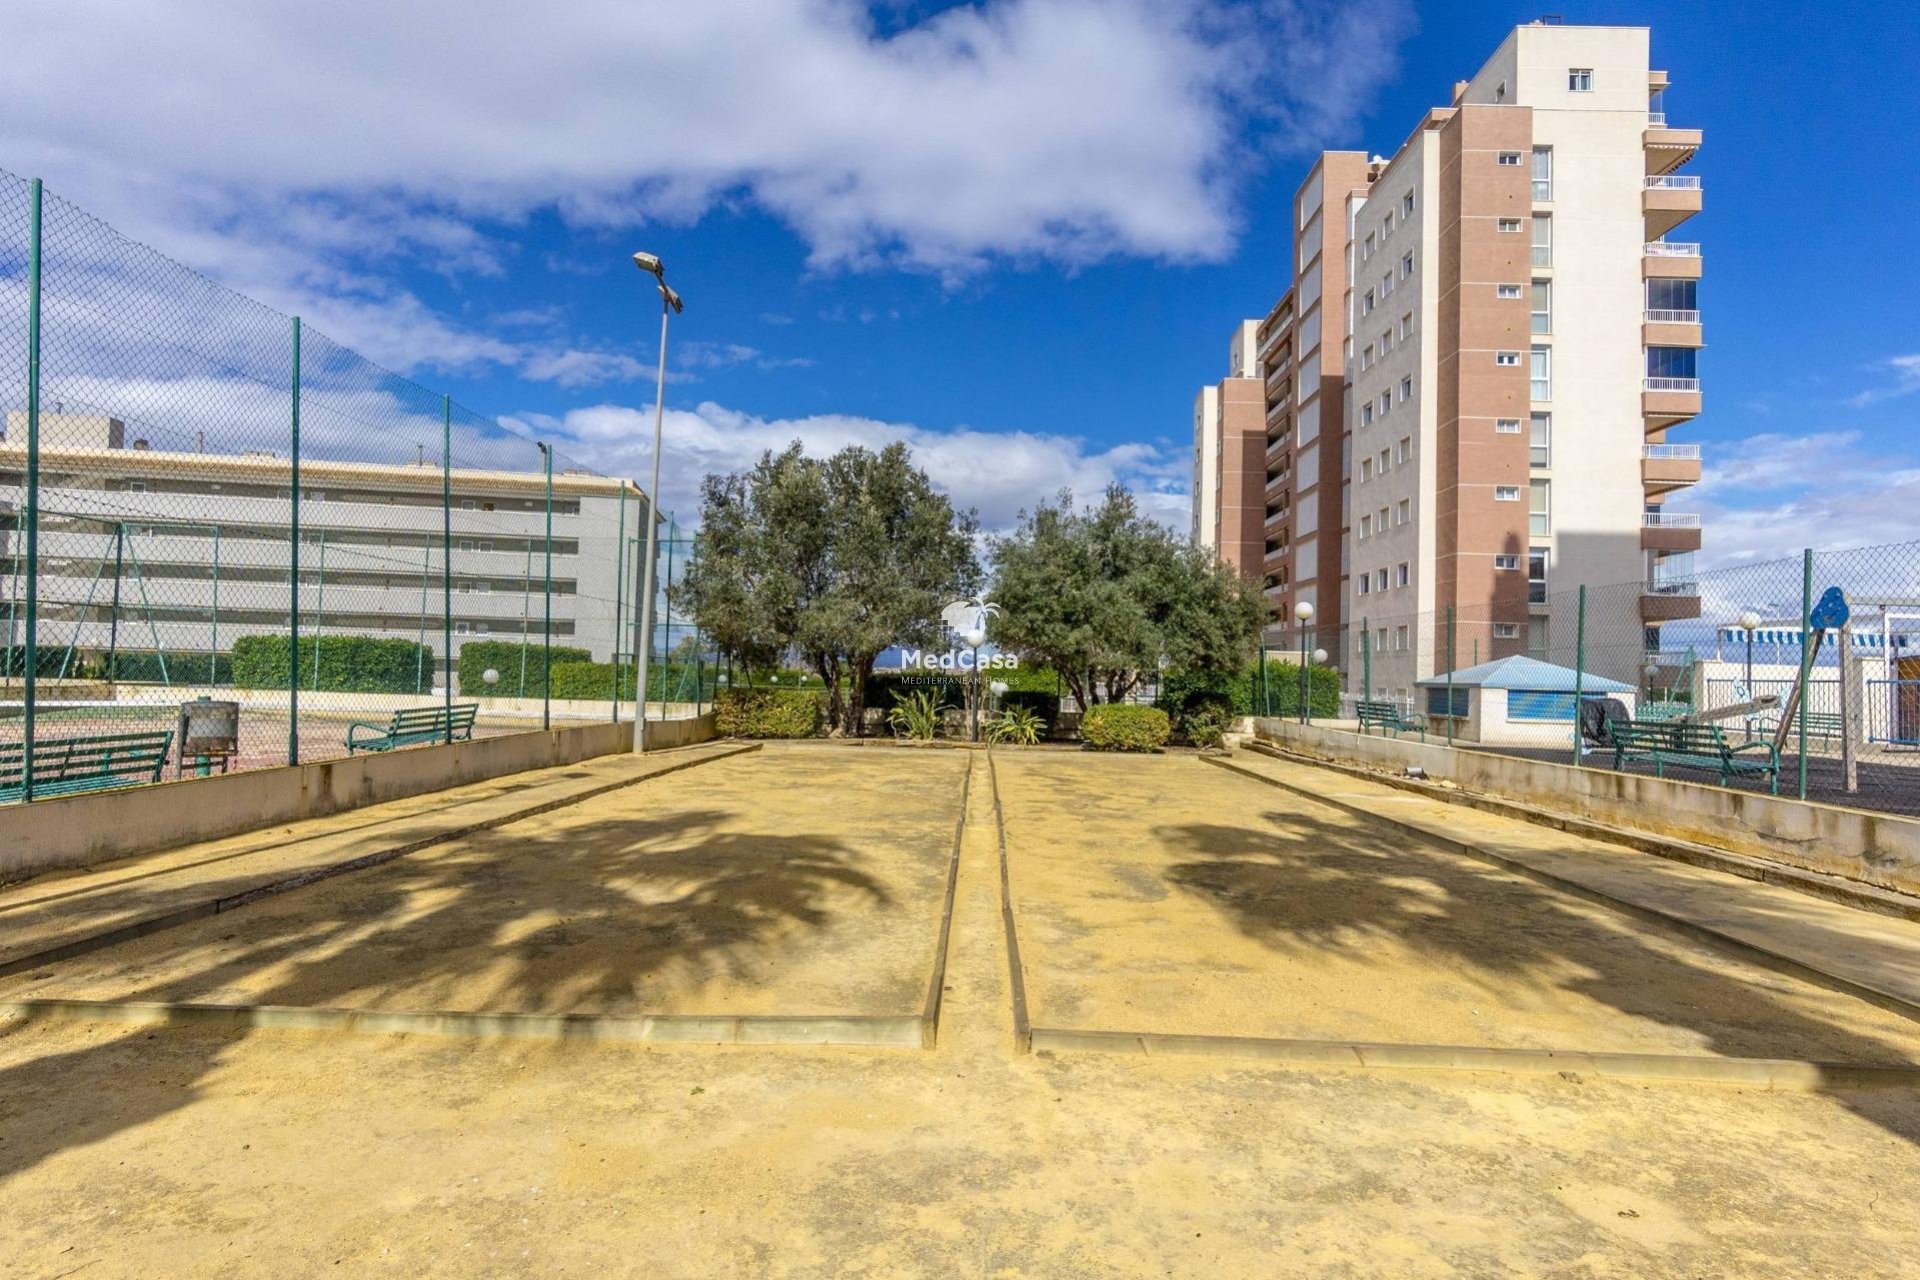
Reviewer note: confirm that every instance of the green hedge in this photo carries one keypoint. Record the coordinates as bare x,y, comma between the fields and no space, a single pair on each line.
763,713
1119,726
348,664
183,667
593,681
1182,692
504,656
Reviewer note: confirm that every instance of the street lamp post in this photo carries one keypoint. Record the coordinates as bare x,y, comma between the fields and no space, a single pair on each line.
1749,622
670,305
1304,613
1319,660
975,638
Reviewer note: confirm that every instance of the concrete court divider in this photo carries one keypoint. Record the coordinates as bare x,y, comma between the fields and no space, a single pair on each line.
71,832
1876,849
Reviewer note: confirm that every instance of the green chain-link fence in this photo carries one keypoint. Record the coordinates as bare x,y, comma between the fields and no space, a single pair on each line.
203,498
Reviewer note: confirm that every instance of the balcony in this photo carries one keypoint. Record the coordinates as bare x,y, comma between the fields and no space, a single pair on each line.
1666,260
1670,532
1665,401
1669,601
1669,200
1664,467
1671,329
1667,148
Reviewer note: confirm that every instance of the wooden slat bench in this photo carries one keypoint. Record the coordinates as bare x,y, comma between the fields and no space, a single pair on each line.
413,725
1387,715
1693,746
88,762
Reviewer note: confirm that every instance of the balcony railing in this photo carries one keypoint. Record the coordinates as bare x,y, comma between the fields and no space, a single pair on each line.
1673,384
1673,588
1672,317
1672,452
1671,249
1674,182
1670,519
1656,119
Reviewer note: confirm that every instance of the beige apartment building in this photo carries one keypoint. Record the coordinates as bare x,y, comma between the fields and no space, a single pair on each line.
1470,380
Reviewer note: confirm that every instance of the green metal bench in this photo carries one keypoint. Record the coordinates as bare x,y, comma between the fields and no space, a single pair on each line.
414,725
1387,715
90,762
1693,746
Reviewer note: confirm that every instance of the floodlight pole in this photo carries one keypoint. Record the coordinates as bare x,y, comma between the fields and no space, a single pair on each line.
643,646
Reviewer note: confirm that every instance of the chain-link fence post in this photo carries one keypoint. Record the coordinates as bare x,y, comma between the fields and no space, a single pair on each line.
1579,664
446,556
1449,675
293,562
29,708
619,592
1366,662
546,625
1806,659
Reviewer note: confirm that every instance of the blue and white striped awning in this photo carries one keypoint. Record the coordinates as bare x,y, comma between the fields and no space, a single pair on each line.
1862,639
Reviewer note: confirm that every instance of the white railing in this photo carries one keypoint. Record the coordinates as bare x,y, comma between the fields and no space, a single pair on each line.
1675,452
1673,384
1656,119
1672,317
1671,249
1674,182
1670,519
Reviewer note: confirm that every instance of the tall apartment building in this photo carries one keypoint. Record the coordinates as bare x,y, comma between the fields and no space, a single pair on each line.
195,548
1228,444
1470,380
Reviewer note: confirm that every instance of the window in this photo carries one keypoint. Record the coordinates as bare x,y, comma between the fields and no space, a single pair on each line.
1540,441
1403,512
1386,284
1506,493
1405,450
1451,703
1366,525
1365,583
1672,362
1406,326
1543,173
1366,303
1400,636
1509,159
1506,291
1539,507
1540,373
1673,300
1406,205
1380,580
1543,306
1509,224
1506,562
1367,251
1542,239
1366,411
461,628
1383,471
1386,341
1403,575
1506,426
1507,359
1406,264
136,486
1386,404
1506,631
1406,387
1579,79
1366,474
1536,575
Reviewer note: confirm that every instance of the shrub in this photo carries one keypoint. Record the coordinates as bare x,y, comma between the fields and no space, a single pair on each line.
1244,694
504,656
917,715
762,713
593,681
1016,726
1205,726
347,664
1117,726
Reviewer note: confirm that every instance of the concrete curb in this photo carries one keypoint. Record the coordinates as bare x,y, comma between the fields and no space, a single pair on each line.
905,1032
1016,970
1749,951
1773,1074
937,986
313,875
1818,884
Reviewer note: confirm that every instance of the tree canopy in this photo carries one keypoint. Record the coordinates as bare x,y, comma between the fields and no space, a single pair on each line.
836,559
1107,596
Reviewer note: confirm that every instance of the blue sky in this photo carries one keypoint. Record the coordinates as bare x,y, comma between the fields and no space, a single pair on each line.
1014,233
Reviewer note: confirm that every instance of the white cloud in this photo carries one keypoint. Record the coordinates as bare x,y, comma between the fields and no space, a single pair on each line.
1068,130
1906,381
1770,496
999,473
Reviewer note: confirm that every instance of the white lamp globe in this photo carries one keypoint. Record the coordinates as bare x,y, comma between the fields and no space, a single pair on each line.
1320,655
975,638
773,679
1303,610
490,676
999,688
1749,620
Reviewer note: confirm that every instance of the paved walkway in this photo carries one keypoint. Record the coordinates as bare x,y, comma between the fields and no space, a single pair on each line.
64,913
1873,955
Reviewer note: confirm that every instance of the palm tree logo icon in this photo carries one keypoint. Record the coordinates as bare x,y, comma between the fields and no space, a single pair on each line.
965,617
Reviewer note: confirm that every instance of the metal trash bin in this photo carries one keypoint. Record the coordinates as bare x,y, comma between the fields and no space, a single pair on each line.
209,731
